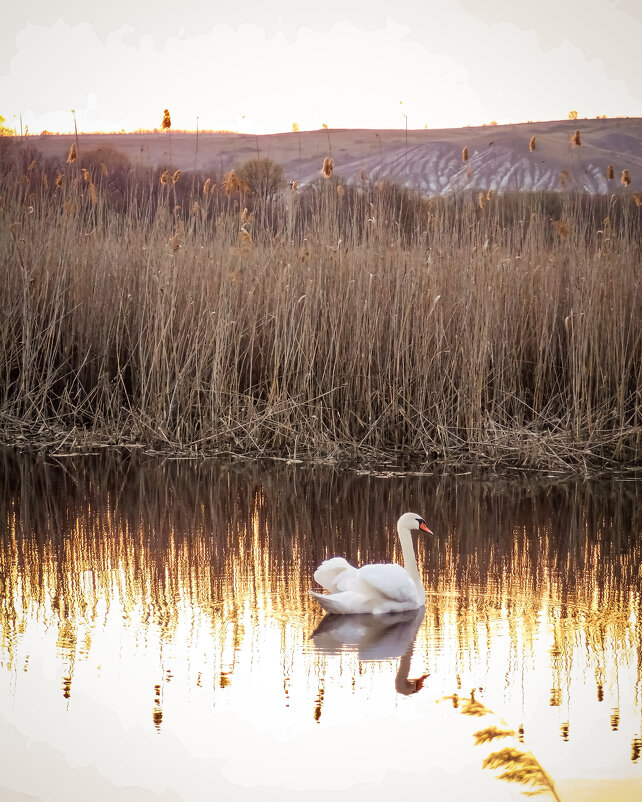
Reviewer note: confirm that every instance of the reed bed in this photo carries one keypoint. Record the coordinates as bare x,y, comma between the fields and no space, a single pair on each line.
196,315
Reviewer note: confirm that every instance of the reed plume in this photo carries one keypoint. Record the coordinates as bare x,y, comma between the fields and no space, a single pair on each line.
164,177
610,172
637,197
176,176
575,139
58,181
85,174
176,240
464,154
73,154
206,186
626,178
327,168
103,169
166,124
562,228
531,144
565,178
92,193
340,191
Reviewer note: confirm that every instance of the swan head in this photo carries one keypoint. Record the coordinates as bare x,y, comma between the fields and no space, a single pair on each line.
410,521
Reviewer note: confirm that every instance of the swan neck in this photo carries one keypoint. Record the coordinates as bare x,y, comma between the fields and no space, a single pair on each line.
410,561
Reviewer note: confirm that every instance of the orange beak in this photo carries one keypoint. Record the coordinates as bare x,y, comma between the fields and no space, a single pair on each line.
424,528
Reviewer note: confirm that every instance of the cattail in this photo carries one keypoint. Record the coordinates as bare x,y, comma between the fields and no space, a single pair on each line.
327,168
59,180
176,240
609,172
637,197
575,139
176,176
167,121
464,155
92,193
531,144
85,174
206,186
340,191
104,170
231,183
164,177
626,178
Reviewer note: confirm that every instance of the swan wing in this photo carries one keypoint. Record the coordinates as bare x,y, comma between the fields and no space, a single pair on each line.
335,574
390,581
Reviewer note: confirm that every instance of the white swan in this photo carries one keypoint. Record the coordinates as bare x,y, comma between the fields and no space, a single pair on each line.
378,588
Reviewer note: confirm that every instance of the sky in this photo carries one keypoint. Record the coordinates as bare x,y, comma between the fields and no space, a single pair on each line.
259,67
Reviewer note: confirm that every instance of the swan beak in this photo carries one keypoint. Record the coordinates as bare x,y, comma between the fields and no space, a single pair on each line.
424,528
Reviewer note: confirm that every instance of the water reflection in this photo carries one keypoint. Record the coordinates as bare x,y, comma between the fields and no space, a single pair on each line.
196,580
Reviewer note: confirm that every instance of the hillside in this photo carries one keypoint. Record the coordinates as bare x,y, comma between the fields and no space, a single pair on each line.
427,160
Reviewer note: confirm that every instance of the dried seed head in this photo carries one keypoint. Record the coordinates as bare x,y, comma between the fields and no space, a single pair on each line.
637,197
575,139
362,175
59,180
32,165
167,121
196,207
85,174
176,176
481,200
340,191
45,181
245,238
206,186
609,172
531,144
562,228
164,177
626,178
464,155
73,153
176,240
103,169
327,168
231,183
565,178
92,193
294,186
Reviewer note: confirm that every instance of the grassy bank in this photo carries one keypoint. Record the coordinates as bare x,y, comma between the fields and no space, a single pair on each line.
331,322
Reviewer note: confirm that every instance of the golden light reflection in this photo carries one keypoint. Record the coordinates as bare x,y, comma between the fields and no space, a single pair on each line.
206,571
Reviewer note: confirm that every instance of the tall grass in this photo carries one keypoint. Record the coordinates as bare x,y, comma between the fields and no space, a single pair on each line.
361,324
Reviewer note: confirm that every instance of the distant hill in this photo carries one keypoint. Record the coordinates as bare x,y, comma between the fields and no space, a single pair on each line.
428,160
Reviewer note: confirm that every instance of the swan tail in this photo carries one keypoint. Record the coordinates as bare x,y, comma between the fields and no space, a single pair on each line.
340,603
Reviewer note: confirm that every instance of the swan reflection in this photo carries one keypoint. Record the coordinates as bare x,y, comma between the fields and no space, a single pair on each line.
374,637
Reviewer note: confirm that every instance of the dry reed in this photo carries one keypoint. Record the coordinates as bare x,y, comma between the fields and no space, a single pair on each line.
575,139
374,325
626,178
531,144
327,168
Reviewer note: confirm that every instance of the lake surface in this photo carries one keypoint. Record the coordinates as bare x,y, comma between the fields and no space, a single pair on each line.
159,640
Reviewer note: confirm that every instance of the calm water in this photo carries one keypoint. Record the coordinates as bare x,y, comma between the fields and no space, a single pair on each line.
159,642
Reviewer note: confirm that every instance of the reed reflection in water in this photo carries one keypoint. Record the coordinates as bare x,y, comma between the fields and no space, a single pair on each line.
175,596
